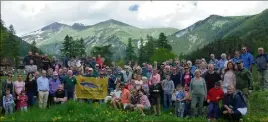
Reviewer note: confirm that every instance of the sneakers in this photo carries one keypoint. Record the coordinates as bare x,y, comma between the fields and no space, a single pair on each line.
143,114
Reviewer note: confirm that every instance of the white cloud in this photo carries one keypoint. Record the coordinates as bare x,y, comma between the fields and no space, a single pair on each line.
27,16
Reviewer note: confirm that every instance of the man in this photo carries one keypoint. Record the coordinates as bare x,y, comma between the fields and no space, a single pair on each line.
69,83
211,77
247,58
237,57
60,95
176,77
31,67
43,88
26,60
89,72
127,74
244,80
54,82
96,72
46,62
213,61
111,80
262,63
38,61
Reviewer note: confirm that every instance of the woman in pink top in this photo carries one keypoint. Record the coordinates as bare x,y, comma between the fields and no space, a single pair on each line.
155,78
144,103
19,85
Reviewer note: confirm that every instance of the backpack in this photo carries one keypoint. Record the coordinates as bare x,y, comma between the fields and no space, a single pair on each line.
241,95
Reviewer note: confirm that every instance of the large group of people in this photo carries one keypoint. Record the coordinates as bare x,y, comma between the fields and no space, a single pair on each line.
179,85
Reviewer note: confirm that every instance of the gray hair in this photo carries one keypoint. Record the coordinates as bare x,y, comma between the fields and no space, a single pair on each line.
223,55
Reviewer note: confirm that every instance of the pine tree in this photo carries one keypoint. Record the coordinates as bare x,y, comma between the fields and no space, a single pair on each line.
66,50
141,51
162,42
13,44
81,47
34,49
149,48
130,53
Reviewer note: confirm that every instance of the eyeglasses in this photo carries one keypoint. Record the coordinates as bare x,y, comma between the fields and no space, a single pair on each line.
186,68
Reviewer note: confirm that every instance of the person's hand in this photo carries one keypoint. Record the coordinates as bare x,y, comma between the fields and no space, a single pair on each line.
208,101
217,97
230,111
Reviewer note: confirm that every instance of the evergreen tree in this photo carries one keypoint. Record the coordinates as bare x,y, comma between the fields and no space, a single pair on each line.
66,50
149,48
81,47
34,49
104,51
13,44
141,51
130,53
162,42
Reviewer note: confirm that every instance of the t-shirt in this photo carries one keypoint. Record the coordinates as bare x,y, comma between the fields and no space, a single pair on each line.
144,101
116,93
211,79
19,86
180,95
60,94
187,78
69,83
125,96
23,100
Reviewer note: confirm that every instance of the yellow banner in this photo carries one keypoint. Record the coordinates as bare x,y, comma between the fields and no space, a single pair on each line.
91,88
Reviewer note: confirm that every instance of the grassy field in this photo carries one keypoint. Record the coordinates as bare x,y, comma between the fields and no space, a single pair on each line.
76,111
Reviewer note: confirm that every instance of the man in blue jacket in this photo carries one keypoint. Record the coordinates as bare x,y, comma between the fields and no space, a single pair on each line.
262,64
247,58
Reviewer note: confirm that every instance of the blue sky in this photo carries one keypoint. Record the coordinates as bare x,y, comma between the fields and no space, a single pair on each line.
28,16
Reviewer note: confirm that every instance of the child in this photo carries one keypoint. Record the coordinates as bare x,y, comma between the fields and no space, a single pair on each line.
145,85
180,101
8,102
23,100
138,82
187,101
214,96
115,95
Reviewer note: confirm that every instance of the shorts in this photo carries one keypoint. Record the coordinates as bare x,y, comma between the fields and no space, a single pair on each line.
155,100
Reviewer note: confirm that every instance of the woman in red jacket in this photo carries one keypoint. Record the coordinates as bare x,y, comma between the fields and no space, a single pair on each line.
214,96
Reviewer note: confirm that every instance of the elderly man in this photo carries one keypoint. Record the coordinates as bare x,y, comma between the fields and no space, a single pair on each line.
213,61
43,89
26,60
247,58
60,96
234,105
126,74
262,63
54,82
69,83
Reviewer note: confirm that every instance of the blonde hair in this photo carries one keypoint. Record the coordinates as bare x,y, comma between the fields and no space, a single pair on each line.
197,70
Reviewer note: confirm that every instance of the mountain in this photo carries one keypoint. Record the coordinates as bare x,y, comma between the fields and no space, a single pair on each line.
252,32
203,32
107,32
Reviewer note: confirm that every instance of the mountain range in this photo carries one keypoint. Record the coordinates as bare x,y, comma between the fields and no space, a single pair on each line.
117,33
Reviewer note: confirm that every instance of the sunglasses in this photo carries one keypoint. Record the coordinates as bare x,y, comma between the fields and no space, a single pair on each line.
186,68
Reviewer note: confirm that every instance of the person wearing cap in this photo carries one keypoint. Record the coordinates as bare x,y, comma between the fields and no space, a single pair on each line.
60,96
213,98
54,82
168,88
244,79
262,63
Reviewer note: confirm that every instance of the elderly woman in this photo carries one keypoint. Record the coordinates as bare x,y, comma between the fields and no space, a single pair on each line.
234,104
203,67
222,62
198,93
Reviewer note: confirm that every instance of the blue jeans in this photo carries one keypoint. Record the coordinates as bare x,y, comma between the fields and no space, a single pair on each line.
179,108
9,109
213,110
31,99
167,101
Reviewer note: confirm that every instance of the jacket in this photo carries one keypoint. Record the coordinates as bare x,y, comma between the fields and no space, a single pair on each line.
244,79
262,62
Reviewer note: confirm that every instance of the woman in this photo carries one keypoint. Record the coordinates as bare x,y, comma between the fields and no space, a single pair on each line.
31,89
19,85
198,91
143,103
203,67
155,77
228,77
234,105
186,76
7,84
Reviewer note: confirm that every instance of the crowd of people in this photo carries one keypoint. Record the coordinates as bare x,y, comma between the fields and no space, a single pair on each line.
179,85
